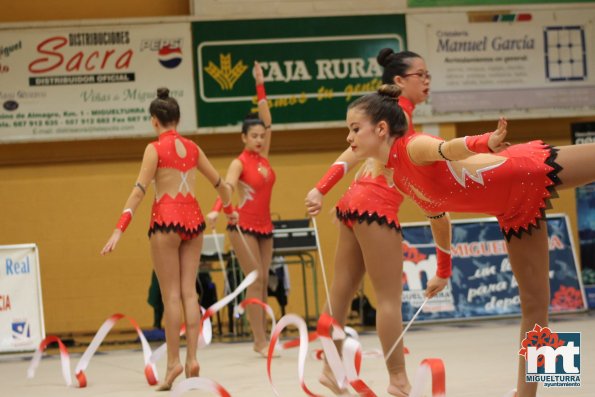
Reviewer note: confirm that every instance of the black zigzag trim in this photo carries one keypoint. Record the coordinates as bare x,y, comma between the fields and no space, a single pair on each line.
232,228
553,175
177,229
366,217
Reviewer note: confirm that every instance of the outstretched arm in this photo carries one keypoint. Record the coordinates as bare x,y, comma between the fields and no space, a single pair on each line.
264,112
425,149
145,176
441,231
345,162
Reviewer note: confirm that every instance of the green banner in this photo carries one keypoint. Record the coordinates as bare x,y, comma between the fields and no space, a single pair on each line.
313,67
450,3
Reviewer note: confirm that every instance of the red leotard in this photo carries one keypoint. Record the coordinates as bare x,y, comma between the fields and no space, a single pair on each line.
373,199
514,185
256,180
181,213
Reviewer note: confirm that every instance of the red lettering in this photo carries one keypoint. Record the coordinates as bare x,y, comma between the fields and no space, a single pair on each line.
4,302
75,62
124,60
44,64
52,58
94,54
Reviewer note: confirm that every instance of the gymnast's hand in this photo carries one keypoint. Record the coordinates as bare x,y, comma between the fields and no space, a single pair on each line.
112,242
233,218
496,142
257,73
212,218
435,285
314,202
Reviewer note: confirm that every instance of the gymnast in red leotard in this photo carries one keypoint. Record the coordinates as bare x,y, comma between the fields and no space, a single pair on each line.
369,231
478,174
253,178
175,228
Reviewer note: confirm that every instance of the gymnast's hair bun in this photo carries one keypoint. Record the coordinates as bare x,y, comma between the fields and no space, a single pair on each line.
384,56
389,90
162,93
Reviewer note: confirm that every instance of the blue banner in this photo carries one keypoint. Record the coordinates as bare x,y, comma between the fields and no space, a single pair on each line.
482,284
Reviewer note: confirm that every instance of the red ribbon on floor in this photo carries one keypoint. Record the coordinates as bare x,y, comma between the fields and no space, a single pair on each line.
64,358
150,369
433,369
199,383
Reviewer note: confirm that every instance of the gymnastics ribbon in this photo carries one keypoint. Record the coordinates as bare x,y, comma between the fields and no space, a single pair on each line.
297,321
199,383
430,368
64,358
150,369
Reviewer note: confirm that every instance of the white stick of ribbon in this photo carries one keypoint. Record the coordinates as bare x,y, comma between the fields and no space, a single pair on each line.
394,346
328,296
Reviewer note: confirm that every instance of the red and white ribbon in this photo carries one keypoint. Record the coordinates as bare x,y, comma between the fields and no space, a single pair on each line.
239,310
346,370
430,369
199,383
64,358
150,369
297,321
312,336
215,307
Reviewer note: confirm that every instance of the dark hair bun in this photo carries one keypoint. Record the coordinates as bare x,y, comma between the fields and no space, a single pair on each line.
389,90
251,117
162,93
384,56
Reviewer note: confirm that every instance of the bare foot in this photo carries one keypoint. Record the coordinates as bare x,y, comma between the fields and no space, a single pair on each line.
264,351
170,376
399,385
327,379
191,369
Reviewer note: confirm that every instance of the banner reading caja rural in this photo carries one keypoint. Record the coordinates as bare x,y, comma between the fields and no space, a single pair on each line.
504,61
92,81
482,284
313,67
21,309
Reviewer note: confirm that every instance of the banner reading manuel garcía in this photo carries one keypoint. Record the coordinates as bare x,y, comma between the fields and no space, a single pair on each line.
482,284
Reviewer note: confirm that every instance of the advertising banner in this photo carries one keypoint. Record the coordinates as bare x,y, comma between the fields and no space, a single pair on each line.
482,284
585,200
313,67
447,3
499,61
91,81
21,309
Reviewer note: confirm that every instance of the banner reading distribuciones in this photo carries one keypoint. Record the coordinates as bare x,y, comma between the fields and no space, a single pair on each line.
507,60
92,81
482,284
21,309
313,67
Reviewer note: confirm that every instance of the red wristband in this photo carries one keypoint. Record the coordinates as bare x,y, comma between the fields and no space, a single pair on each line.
332,176
218,205
444,264
478,143
228,209
124,220
260,93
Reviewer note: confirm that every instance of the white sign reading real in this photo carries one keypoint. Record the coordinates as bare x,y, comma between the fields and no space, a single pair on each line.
93,81
537,60
21,309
